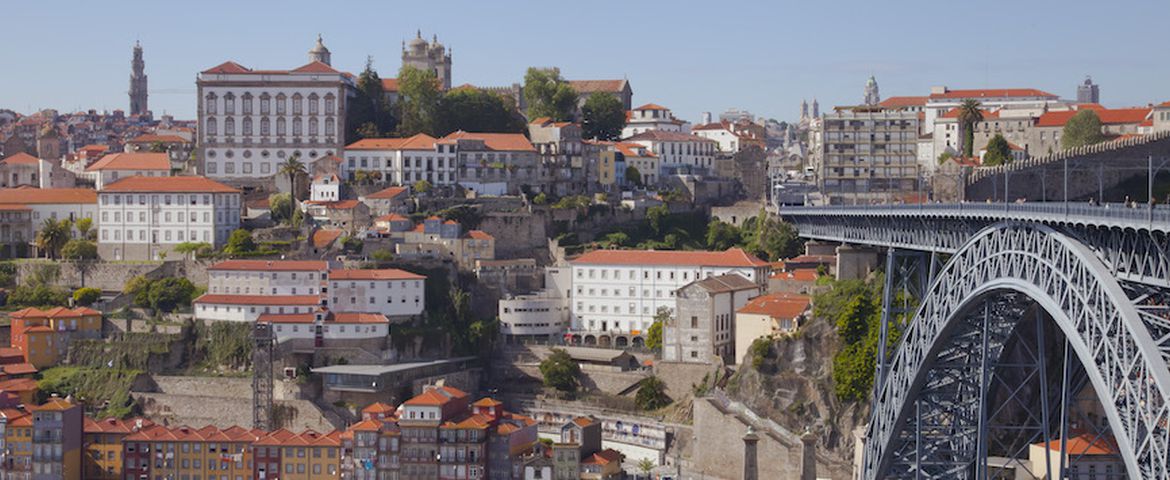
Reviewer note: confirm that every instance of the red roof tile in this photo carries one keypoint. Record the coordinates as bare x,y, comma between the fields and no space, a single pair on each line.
733,257
314,67
20,158
480,235
132,161
272,265
510,142
151,138
419,141
777,305
324,238
388,193
603,457
1086,444
298,300
48,195
382,274
228,67
184,184
903,102
390,84
651,106
1108,117
992,93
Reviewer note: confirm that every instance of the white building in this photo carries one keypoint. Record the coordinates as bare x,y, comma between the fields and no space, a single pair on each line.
325,188
252,120
397,294
732,137
678,152
267,277
248,308
943,100
496,163
543,316
144,218
620,291
778,313
705,325
403,161
116,166
57,203
323,325
651,117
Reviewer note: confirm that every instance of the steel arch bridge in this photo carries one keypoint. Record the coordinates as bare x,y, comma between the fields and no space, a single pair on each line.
1098,276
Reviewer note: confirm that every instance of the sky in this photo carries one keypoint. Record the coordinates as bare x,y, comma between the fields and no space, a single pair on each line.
693,57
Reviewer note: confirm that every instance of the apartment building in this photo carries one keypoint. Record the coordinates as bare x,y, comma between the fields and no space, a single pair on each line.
116,166
144,218
103,445
161,452
677,152
57,427
71,204
267,277
397,294
869,154
43,336
651,116
403,161
616,293
777,313
442,239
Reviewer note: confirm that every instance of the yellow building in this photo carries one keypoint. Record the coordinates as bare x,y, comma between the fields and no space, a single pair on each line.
184,452
103,446
17,452
306,456
44,335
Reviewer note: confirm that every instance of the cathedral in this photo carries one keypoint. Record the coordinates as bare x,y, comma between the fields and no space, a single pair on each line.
872,97
138,82
432,57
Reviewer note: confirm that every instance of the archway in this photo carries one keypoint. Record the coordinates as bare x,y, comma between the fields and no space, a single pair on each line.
638,342
621,341
590,340
931,412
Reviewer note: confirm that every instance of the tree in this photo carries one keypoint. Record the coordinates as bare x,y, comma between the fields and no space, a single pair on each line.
473,110
654,333
135,285
769,237
549,95
38,295
192,248
280,207
969,115
85,228
422,186
86,296
1082,129
167,294
53,236
633,176
293,167
617,239
560,371
651,394
645,465
603,117
240,242
418,97
722,235
368,113
78,249
943,157
999,151
540,199
657,217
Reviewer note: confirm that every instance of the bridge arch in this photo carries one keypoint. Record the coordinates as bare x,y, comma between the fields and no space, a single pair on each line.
1010,262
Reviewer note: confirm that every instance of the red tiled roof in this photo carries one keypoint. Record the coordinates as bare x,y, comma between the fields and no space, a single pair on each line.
324,238
259,299
487,402
664,136
733,257
512,142
378,407
603,457
132,161
383,274
8,207
992,93
428,398
20,158
228,67
799,275
392,217
390,84
632,149
388,193
314,67
139,183
903,102
272,265
777,305
1108,117
114,425
480,235
47,195
1086,444
651,106
474,421
56,312
53,405
419,141
19,369
583,421
151,138
593,86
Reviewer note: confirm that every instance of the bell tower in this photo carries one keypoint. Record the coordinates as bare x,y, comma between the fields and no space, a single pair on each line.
138,82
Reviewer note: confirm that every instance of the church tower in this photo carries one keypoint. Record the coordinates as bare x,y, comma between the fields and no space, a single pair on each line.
872,97
319,53
429,57
1088,92
138,82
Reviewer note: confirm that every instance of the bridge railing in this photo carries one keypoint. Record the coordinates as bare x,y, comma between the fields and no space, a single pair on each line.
1139,215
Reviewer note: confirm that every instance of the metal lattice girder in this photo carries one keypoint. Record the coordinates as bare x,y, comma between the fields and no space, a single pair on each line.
929,378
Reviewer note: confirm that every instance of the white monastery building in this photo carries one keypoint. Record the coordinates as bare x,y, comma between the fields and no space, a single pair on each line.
140,218
397,294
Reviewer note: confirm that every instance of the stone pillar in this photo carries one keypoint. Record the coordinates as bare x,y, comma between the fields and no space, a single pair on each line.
808,459
751,470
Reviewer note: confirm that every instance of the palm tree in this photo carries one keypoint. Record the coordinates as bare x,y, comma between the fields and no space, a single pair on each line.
53,236
293,167
969,115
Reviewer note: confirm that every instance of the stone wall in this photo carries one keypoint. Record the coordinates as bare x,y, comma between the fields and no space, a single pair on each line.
737,213
681,378
103,275
724,428
517,234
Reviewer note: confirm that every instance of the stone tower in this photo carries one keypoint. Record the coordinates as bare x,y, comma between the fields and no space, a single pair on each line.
1088,92
138,82
49,142
872,97
429,57
804,109
816,109
319,53
751,467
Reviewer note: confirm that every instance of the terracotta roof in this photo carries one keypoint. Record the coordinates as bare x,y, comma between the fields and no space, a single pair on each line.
231,67
732,257
651,106
632,149
436,396
487,402
388,193
368,425
1087,444
419,141
392,217
903,102
470,422
593,86
114,425
9,207
271,265
664,136
992,93
603,457
390,84
480,235
20,158
94,148
324,238
777,305
799,275
725,283
228,67
47,195
382,274
1108,117
507,429
53,405
151,138
583,421
332,177
132,161
56,312
19,369
378,407
314,67
511,142
259,299
184,184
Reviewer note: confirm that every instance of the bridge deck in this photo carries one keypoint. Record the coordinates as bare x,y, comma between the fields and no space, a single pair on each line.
1113,215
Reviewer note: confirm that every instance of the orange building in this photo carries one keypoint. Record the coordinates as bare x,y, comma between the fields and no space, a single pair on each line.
43,335
103,446
184,452
306,456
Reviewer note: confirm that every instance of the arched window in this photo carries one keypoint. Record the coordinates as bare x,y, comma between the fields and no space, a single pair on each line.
280,126
329,126
313,104
265,126
247,126
265,103
297,104
209,105
313,126
212,129
229,104
296,126
229,126
281,106
247,104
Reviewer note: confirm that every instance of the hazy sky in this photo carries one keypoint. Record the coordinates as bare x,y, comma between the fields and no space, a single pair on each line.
764,56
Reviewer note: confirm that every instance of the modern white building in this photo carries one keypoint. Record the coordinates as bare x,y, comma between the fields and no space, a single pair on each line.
651,116
116,166
678,152
267,277
397,294
618,292
403,161
543,316
70,204
248,308
144,218
868,154
252,120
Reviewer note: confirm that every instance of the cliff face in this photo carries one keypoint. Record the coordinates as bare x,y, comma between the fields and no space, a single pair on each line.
793,387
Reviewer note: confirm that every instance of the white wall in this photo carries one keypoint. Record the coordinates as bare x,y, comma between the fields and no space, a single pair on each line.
244,313
404,167
388,297
236,282
167,218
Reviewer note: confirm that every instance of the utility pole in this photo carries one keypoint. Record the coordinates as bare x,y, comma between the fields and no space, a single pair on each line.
262,376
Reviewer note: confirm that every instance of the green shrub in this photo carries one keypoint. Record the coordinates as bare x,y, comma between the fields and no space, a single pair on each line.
86,296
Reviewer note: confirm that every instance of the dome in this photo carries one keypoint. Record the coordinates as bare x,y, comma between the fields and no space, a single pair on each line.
319,47
418,44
